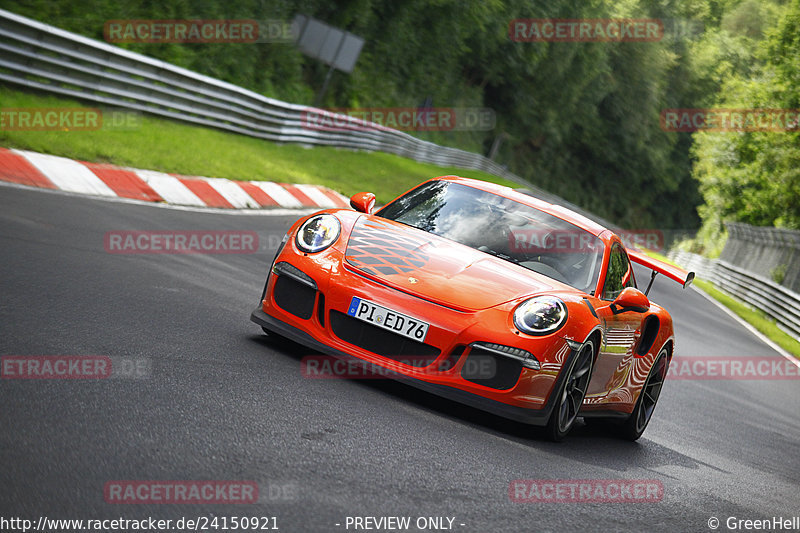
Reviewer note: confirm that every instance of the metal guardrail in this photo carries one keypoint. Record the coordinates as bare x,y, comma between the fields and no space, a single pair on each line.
46,58
777,302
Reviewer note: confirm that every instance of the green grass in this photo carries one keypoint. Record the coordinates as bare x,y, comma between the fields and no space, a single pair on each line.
169,146
755,318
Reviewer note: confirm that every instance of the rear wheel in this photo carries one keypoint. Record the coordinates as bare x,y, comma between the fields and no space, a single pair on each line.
635,425
569,396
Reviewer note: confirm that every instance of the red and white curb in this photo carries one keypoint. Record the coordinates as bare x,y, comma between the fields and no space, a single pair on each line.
52,172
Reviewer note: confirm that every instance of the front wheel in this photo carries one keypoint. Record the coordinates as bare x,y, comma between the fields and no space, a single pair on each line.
635,425
569,396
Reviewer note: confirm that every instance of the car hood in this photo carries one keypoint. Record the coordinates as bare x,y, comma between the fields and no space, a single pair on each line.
437,269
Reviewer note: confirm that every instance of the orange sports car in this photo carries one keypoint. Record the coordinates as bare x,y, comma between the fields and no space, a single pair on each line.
481,294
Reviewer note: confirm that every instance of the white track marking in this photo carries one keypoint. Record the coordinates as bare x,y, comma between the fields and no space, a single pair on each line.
763,338
278,193
316,195
231,191
267,212
169,188
67,174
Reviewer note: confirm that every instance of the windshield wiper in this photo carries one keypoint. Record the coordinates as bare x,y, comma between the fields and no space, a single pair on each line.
500,255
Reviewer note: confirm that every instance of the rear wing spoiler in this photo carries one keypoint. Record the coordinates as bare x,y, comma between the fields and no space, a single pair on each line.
673,272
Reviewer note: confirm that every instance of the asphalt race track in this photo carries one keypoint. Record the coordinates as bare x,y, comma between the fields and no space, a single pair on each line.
218,400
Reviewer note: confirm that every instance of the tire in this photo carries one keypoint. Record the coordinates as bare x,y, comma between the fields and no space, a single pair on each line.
571,393
635,425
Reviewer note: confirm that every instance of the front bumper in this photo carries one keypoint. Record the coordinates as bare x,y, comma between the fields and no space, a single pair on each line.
538,417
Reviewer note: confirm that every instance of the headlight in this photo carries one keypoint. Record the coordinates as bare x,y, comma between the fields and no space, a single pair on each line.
317,233
540,315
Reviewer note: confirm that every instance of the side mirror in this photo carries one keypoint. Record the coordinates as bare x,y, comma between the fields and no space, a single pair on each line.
631,299
363,202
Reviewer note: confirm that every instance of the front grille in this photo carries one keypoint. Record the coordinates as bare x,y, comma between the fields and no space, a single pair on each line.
382,342
491,369
294,297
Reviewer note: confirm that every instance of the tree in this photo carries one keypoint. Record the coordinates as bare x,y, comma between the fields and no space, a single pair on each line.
754,177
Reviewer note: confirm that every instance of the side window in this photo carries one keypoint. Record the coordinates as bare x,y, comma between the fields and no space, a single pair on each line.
619,275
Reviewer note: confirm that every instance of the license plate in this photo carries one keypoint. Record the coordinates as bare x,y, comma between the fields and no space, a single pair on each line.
387,319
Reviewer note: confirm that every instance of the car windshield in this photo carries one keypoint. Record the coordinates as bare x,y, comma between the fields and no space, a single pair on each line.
503,228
